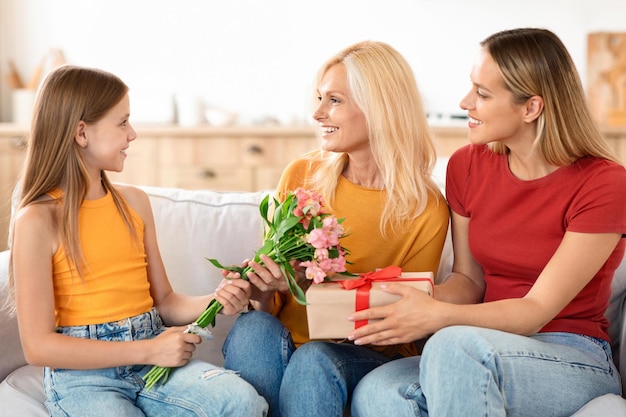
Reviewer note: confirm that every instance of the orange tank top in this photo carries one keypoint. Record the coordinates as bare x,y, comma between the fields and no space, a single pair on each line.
115,280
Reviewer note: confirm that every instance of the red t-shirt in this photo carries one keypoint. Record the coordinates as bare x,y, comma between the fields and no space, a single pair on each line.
516,226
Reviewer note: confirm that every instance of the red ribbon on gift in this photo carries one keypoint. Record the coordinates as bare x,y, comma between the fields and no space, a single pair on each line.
363,285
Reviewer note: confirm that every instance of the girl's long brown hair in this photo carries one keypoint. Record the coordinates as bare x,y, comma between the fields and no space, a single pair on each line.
70,94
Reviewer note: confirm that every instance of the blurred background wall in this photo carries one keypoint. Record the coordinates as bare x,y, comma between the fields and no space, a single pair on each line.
258,58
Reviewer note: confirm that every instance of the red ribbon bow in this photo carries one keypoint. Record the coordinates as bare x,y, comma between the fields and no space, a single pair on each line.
367,278
363,285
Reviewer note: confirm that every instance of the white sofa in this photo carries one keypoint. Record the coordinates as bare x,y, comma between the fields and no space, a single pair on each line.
194,225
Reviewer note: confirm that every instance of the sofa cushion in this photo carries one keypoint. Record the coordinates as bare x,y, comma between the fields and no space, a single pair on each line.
615,313
11,356
194,225
606,405
21,393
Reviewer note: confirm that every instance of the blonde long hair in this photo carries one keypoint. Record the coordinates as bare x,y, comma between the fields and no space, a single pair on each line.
70,94
383,86
534,62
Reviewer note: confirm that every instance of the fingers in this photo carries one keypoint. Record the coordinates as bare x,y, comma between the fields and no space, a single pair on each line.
174,347
376,313
232,274
267,277
399,322
382,333
269,271
234,295
186,337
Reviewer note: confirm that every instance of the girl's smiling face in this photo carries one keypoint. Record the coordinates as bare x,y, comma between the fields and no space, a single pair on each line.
108,138
343,124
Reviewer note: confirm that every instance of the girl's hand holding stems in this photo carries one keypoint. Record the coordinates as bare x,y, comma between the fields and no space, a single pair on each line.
175,346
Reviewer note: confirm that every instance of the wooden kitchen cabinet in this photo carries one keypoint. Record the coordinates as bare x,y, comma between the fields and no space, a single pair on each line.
616,136
224,159
250,160
204,157
219,163
449,139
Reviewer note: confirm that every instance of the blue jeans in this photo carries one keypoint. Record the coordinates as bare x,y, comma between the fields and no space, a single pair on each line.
258,348
316,379
196,389
470,371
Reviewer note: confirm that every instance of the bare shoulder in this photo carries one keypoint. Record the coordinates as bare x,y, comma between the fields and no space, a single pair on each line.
40,211
136,198
38,219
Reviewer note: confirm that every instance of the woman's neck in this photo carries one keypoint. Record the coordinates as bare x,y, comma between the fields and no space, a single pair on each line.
530,166
363,173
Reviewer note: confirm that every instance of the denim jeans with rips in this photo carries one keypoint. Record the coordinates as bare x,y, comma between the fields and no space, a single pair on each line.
196,389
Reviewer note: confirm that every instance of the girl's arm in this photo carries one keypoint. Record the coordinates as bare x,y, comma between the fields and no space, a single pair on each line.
576,261
35,241
175,308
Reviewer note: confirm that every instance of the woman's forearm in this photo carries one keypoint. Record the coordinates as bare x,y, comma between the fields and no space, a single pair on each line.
457,288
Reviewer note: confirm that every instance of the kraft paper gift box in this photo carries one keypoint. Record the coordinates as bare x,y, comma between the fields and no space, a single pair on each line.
329,303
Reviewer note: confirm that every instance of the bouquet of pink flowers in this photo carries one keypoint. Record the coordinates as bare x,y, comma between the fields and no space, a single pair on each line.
299,229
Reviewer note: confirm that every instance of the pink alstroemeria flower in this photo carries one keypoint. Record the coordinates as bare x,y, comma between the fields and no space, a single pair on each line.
314,272
299,229
309,205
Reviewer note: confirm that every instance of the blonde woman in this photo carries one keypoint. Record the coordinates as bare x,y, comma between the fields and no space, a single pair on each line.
91,291
538,225
373,169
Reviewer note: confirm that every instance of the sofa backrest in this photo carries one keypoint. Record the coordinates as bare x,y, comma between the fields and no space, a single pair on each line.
11,355
194,225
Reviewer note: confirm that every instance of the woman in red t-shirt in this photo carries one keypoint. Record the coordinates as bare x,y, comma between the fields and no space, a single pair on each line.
537,206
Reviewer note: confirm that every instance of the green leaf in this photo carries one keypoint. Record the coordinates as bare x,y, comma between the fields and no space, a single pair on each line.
286,225
267,247
232,268
264,206
292,284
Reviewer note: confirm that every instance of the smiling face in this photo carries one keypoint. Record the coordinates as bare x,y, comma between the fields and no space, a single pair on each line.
104,143
493,115
343,124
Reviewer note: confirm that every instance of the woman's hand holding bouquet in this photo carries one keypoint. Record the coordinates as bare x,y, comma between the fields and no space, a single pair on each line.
298,229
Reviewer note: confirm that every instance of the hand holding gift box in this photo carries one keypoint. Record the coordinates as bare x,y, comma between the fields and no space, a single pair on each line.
330,303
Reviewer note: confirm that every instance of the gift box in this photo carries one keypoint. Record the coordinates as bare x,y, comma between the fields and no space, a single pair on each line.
330,303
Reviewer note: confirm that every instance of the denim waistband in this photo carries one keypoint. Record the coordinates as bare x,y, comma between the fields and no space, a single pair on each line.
142,326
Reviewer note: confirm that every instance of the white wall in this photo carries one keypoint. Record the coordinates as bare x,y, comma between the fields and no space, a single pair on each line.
259,57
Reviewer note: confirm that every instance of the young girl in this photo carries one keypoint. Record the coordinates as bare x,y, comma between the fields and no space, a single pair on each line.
91,292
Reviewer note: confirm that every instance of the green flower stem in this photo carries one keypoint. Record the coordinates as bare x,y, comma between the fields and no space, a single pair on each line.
160,374
279,245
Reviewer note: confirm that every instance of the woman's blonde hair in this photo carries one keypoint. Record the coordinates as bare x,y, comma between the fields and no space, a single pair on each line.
70,94
534,62
382,84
